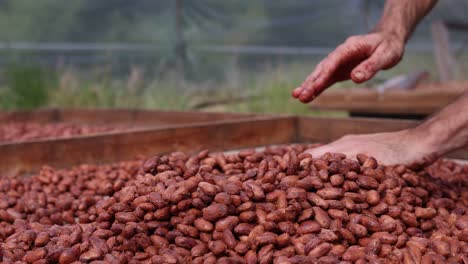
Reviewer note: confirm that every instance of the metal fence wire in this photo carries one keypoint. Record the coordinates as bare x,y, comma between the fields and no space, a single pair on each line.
200,36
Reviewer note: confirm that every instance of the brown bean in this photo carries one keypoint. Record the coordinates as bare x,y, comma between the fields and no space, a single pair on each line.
241,247
208,188
227,223
266,238
229,239
255,232
185,242
320,250
367,182
370,223
244,228
68,255
251,257
217,247
203,225
322,217
199,250
281,204
309,226
35,255
188,230
265,254
283,240
328,235
373,197
441,247
330,193
248,216
379,209
357,229
338,214
409,218
317,200
354,253
215,212
424,213
42,239
336,180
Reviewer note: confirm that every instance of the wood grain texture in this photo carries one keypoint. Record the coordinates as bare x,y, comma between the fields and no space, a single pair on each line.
117,116
111,147
316,129
424,101
117,146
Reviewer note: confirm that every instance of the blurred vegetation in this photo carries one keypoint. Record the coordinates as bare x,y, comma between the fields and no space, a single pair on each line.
28,87
266,90
149,79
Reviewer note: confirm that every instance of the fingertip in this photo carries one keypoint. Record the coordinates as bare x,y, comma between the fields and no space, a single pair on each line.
358,76
307,96
296,92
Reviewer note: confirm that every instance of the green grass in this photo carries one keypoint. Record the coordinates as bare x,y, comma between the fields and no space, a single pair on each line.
265,90
108,93
28,87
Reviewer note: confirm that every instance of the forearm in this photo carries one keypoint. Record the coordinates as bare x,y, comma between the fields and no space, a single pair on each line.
400,17
447,130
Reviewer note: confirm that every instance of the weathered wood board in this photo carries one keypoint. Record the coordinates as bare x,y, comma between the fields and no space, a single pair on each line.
116,146
142,118
28,157
423,101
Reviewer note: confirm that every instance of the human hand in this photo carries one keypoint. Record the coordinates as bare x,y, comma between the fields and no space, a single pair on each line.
391,148
359,59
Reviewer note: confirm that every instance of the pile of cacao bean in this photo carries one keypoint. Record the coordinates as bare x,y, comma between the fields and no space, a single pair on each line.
279,205
26,131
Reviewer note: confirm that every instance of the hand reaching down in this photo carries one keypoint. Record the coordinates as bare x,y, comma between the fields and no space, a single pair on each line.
359,59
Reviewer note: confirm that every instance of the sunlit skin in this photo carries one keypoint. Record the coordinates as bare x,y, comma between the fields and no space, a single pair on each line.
358,59
444,132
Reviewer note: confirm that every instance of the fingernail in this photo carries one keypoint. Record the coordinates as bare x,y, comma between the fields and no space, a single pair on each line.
305,98
359,75
296,92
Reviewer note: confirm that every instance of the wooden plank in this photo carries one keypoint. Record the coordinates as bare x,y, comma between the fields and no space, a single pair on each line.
328,129
111,147
315,129
222,135
145,117
47,115
117,116
422,101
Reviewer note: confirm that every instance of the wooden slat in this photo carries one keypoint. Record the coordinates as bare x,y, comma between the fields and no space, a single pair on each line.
138,117
112,147
422,101
48,115
223,135
317,129
145,117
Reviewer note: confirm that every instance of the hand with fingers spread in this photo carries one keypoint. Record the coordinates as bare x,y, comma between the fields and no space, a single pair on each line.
361,57
358,59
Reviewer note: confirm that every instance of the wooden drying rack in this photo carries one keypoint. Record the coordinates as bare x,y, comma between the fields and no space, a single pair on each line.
417,103
240,132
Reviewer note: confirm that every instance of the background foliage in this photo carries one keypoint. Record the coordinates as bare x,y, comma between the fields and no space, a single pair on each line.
143,72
